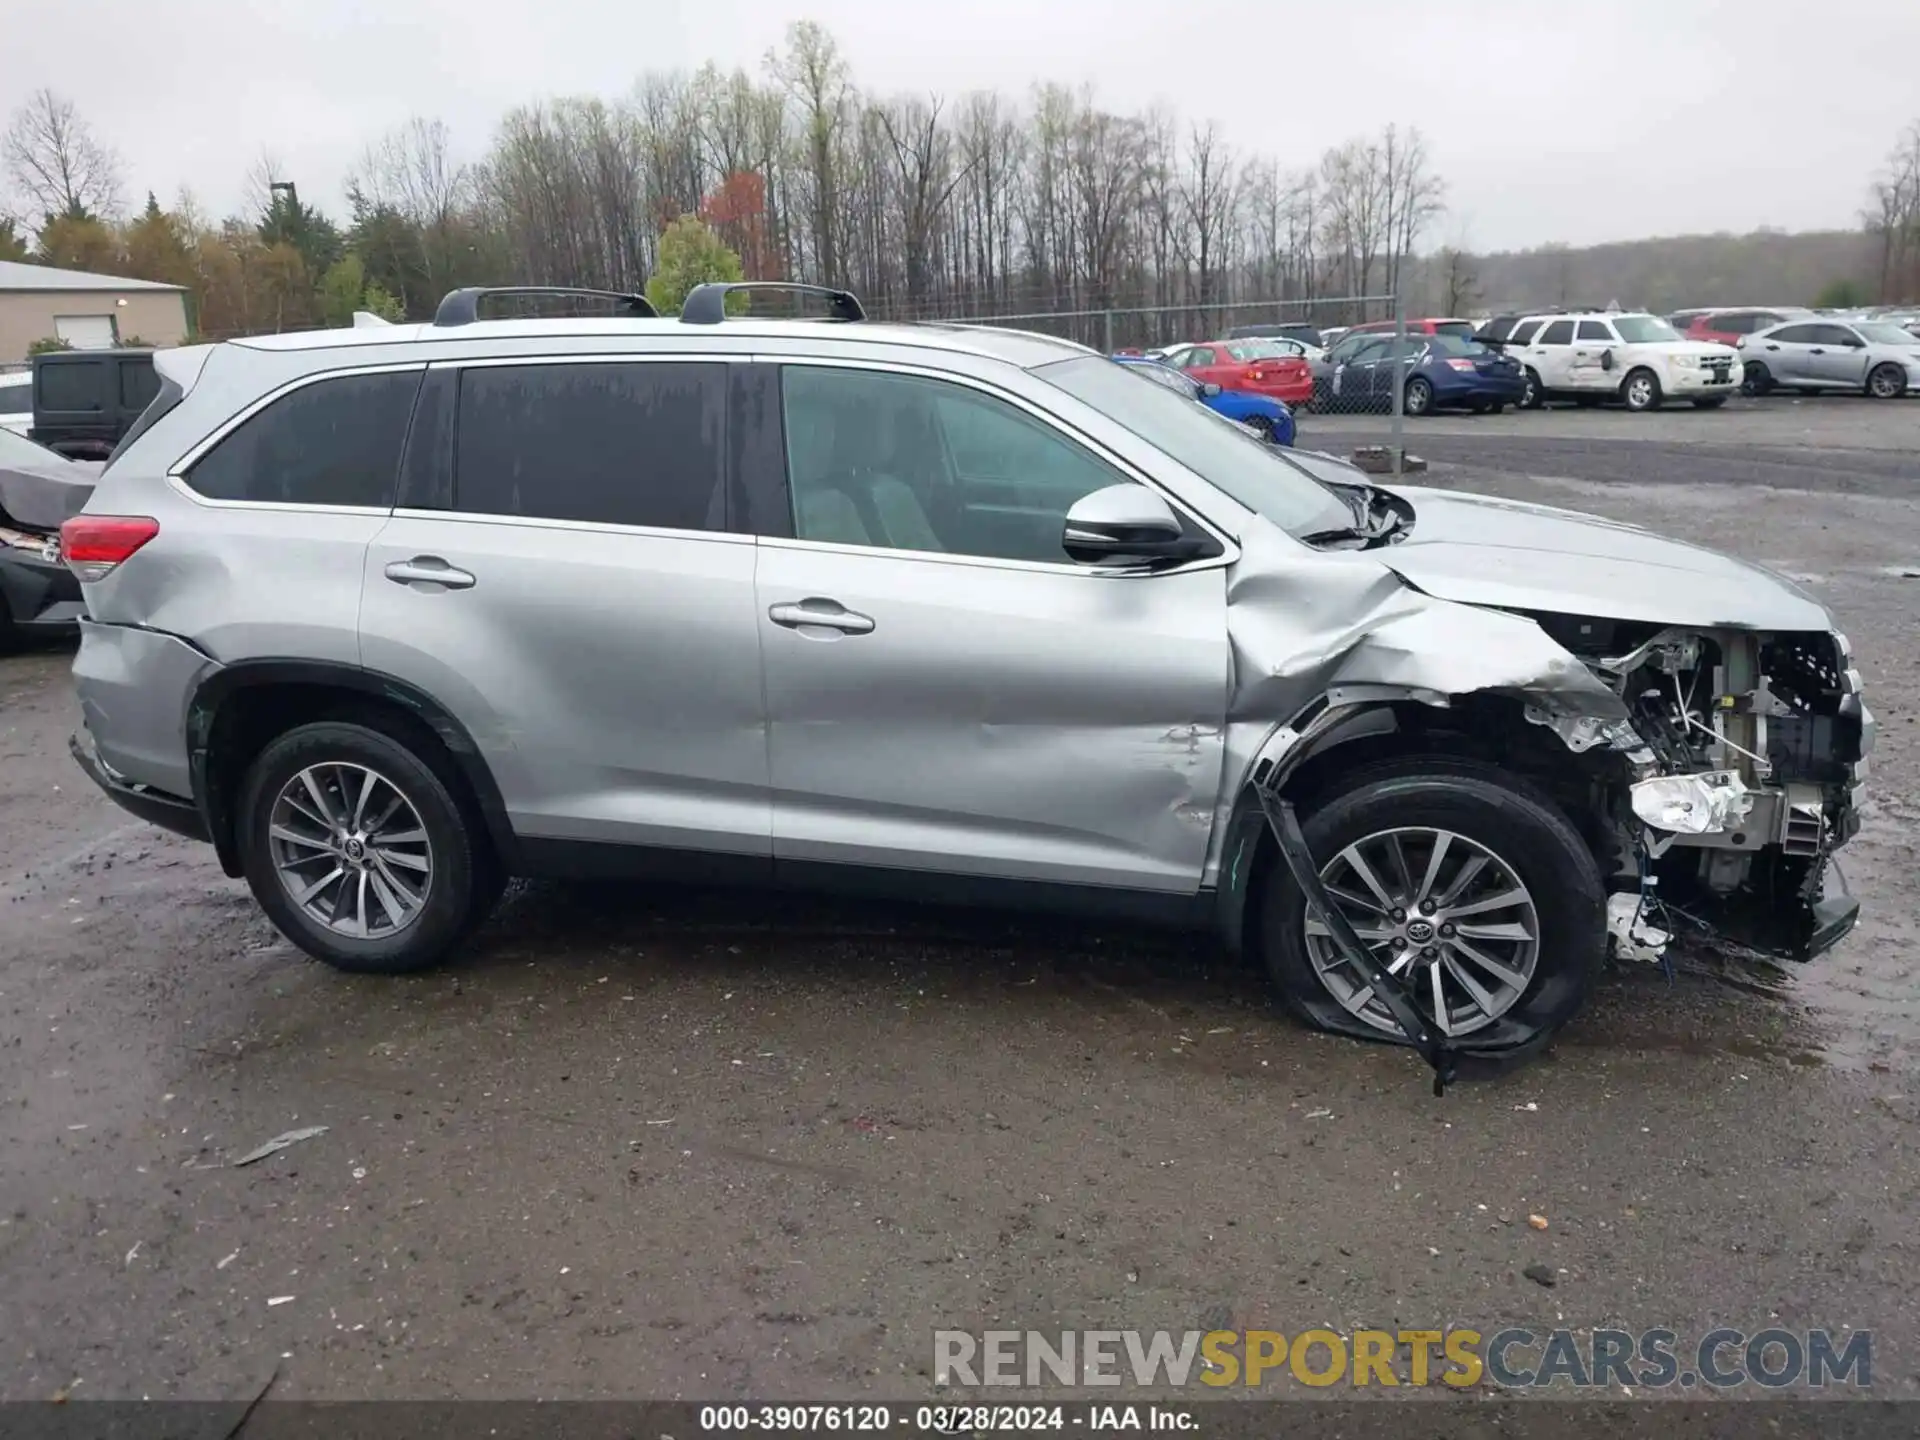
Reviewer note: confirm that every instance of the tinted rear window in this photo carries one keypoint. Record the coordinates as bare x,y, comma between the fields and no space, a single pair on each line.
1454,327
139,383
613,444
72,385
334,442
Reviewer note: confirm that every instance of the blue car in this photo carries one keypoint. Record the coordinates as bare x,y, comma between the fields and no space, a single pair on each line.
1438,371
1259,412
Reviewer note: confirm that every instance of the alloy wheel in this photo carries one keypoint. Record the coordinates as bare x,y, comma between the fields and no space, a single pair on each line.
1640,392
1439,910
350,850
1885,383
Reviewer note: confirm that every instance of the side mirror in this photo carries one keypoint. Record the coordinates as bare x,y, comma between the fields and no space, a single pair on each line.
1123,522
1209,390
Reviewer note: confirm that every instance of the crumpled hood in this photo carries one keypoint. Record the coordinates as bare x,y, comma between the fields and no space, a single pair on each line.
1482,551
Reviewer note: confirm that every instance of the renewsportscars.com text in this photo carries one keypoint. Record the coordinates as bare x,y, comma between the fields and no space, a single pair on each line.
1459,1357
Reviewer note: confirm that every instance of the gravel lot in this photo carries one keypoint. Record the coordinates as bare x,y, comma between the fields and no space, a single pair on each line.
669,1144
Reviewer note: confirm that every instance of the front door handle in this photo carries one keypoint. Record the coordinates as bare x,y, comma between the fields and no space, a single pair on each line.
830,613
429,570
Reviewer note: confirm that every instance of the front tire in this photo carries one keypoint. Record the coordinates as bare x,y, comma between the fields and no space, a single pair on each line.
358,851
1516,932
1640,391
1264,424
1887,382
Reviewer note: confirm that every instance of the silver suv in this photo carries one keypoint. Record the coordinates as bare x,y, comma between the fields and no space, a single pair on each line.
391,614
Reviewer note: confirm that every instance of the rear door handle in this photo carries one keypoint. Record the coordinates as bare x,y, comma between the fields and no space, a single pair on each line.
429,570
830,613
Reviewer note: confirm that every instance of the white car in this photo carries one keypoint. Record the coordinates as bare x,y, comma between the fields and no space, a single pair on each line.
1636,358
16,401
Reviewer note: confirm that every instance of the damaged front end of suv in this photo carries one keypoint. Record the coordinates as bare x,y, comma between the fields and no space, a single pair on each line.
1746,778
1687,732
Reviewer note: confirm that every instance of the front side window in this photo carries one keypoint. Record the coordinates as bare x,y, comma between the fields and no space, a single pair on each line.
907,463
1559,332
1837,337
334,442
626,443
1265,479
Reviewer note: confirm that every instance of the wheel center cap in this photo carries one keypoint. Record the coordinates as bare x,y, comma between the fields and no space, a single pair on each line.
1420,931
355,850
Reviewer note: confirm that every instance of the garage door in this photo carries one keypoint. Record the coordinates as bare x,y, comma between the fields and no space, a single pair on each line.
86,332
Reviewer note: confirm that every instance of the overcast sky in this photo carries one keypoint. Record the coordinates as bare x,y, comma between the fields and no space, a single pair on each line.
1549,119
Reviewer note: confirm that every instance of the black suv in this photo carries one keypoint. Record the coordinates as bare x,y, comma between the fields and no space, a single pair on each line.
85,400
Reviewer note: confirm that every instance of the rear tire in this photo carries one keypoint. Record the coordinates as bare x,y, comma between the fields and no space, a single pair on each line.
1489,811
1533,397
1419,399
1710,402
1887,382
1498,407
408,889
1640,391
1757,381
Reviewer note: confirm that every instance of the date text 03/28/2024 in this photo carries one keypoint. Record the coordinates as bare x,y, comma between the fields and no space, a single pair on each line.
942,1419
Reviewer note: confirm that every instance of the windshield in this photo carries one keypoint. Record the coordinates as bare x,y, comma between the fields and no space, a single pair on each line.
1644,329
1879,332
1222,453
18,450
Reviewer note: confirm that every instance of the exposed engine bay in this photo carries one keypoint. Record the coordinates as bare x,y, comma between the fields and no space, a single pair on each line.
1747,778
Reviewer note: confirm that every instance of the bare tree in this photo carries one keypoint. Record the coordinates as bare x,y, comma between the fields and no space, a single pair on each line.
816,78
1208,195
55,161
923,152
1893,218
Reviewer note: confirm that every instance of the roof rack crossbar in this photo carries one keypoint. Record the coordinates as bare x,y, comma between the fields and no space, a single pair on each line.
707,304
462,307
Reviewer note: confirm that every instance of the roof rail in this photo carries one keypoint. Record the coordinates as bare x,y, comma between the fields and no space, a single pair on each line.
462,307
707,304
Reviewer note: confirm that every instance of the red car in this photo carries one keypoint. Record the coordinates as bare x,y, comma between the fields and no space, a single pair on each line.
1262,367
1440,325
1726,327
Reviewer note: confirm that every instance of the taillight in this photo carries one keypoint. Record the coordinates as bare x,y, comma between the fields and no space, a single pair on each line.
1461,364
93,544
1255,375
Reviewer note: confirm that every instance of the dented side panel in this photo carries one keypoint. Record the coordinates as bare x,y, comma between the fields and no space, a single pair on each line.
1019,722
134,686
1306,625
